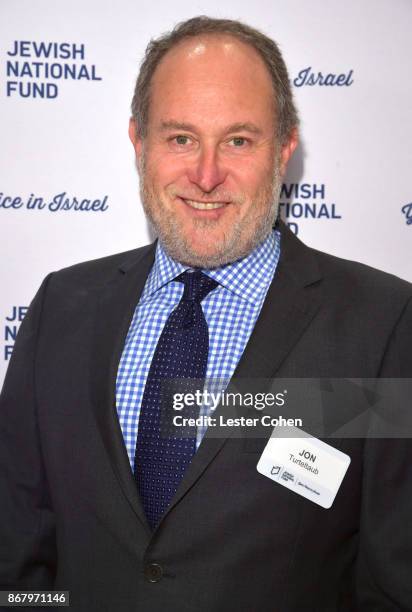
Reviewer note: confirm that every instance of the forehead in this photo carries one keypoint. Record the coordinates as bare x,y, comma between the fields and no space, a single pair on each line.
211,73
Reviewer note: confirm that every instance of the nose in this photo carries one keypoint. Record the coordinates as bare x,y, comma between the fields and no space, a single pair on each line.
208,171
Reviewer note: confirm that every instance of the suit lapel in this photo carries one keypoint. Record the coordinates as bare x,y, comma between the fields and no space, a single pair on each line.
115,307
290,305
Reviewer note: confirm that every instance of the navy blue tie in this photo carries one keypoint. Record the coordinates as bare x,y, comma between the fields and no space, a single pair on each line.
178,366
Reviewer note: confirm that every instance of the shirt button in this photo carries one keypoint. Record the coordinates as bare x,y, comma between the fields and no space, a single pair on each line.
153,572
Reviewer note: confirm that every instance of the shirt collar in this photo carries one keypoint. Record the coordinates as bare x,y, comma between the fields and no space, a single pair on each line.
248,277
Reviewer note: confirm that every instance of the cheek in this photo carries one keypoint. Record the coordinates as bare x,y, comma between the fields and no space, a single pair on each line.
249,180
166,171
252,171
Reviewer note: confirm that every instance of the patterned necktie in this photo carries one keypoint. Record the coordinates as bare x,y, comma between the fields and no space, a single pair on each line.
178,365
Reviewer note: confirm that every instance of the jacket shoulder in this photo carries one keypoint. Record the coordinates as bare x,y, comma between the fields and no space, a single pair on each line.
361,280
96,272
340,277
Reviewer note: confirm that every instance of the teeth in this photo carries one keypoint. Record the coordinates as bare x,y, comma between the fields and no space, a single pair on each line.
204,205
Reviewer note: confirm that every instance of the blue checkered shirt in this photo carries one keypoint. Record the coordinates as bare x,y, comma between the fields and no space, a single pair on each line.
231,311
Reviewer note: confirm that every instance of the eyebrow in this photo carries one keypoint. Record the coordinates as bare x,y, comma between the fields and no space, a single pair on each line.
189,127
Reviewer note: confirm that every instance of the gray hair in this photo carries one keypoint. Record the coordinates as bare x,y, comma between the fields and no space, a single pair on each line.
287,116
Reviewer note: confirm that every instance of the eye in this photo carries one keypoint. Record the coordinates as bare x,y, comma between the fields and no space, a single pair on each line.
238,141
181,143
181,140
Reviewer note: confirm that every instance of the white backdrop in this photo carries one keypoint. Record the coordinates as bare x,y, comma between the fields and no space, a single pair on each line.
351,170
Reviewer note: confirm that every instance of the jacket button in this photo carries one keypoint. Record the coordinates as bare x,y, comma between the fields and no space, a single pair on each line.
153,572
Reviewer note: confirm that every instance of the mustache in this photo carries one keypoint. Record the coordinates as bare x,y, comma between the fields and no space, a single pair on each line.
212,196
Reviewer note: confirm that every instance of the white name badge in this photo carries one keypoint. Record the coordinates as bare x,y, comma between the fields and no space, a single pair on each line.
305,465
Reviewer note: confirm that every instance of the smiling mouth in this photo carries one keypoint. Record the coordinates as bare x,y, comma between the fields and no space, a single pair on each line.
204,205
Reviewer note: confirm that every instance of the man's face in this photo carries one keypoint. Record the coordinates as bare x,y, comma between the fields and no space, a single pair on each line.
210,166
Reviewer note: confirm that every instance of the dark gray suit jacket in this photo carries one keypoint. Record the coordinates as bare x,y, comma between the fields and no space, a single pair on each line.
232,540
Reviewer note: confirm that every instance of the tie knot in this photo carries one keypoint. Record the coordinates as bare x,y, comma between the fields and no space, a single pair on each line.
197,285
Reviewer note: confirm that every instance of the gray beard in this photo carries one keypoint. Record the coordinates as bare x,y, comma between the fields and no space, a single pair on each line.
232,247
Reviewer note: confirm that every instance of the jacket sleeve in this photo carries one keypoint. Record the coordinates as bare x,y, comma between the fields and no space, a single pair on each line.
385,547
27,525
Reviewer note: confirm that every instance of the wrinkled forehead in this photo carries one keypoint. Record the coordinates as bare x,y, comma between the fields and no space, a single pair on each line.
214,51
209,65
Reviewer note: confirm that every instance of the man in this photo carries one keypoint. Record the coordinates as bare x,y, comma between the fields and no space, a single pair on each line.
95,498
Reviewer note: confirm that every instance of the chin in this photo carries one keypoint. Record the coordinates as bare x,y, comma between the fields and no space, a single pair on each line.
200,259
206,258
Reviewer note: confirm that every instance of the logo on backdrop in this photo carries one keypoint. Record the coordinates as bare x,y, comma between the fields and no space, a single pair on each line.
34,69
60,202
305,201
11,326
407,211
310,77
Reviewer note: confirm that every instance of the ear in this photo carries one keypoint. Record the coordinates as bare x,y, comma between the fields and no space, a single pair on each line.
288,149
135,138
